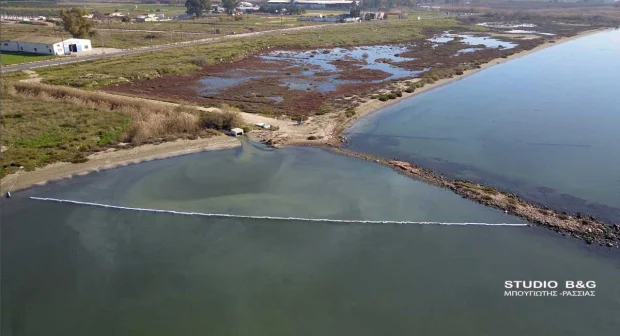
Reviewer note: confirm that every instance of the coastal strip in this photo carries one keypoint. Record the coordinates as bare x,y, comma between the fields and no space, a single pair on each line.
326,129
289,133
186,213
113,159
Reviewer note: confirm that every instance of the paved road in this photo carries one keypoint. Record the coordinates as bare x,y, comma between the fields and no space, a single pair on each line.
84,58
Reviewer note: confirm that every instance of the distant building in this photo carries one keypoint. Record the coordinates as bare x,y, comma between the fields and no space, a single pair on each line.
329,18
316,4
46,45
247,7
151,18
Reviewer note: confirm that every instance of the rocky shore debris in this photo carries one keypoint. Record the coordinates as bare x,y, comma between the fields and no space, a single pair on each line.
579,226
588,230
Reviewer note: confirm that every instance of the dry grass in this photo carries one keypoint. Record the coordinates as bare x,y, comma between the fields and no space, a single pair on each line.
150,121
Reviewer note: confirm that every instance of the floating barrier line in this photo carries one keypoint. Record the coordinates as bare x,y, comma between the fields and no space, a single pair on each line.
262,217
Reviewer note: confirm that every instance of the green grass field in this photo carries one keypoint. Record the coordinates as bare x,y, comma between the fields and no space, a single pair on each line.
37,133
10,58
208,24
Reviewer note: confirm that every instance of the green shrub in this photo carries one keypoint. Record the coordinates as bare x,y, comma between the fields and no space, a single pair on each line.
383,97
199,62
350,112
410,90
211,120
391,96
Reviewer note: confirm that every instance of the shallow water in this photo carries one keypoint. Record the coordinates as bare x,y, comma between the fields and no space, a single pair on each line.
314,62
79,270
488,42
544,126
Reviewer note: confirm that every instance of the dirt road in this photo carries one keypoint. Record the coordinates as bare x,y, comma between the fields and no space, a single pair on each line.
63,61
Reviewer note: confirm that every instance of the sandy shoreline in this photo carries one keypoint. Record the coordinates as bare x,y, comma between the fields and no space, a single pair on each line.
325,129
112,159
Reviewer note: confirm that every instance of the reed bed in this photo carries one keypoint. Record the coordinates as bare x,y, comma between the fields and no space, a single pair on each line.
150,121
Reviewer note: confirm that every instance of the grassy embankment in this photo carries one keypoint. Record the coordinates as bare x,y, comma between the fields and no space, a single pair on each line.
43,124
15,58
114,70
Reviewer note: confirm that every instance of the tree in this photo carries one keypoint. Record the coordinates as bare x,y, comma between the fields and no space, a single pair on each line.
196,7
355,11
230,5
76,23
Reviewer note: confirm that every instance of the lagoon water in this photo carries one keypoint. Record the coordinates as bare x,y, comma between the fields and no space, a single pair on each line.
80,270
545,126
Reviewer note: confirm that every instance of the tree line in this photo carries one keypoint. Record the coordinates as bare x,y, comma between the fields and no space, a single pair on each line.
199,7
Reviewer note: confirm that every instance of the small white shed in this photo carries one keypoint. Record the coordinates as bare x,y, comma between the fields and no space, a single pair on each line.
236,131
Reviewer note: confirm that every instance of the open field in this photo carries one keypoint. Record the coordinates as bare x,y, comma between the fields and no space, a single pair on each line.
102,7
104,38
208,24
184,59
131,8
15,58
12,31
120,35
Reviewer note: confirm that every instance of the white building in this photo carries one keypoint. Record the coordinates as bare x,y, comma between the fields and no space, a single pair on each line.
316,4
147,18
46,45
247,7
